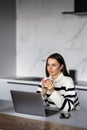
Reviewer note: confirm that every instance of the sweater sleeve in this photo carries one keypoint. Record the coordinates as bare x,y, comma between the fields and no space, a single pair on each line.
65,102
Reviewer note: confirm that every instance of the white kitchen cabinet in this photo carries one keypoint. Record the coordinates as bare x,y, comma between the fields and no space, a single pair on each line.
82,95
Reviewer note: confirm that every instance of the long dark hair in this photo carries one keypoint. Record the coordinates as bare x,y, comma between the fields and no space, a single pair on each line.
60,60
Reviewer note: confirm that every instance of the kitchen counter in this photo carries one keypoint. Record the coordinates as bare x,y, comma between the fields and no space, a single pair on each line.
37,80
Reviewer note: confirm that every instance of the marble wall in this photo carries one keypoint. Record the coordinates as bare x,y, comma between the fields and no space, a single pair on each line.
42,29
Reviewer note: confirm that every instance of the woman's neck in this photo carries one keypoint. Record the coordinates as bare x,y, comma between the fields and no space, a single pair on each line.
56,76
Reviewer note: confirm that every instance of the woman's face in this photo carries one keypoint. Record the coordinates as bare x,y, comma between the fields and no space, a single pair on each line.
54,67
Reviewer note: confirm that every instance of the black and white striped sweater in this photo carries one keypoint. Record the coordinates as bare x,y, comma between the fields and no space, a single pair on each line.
64,97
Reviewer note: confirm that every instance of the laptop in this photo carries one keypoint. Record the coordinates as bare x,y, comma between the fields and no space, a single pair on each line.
30,103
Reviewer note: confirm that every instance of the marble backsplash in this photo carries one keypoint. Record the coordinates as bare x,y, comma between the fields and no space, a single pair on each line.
42,29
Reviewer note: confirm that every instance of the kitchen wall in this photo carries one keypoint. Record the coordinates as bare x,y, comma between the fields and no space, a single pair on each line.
7,38
42,29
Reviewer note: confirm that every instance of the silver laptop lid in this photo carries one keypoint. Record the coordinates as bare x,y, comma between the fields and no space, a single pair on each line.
28,103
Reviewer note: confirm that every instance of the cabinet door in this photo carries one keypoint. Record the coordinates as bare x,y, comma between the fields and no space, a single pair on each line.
82,95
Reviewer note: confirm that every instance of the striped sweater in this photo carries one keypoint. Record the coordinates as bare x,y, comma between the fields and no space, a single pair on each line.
64,97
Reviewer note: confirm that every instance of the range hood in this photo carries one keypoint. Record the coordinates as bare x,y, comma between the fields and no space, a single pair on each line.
80,8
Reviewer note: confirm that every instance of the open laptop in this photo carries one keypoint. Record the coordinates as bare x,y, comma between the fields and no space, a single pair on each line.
30,103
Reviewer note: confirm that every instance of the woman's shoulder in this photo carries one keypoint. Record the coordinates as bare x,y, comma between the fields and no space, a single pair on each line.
68,80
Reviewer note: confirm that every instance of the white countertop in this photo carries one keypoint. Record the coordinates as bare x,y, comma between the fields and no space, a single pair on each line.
20,81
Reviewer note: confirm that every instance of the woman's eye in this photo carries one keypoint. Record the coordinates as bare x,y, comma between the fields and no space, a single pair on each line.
54,65
51,65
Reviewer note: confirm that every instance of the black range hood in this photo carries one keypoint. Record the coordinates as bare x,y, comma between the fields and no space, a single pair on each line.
80,8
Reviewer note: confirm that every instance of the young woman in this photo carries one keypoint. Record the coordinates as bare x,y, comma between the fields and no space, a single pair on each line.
58,90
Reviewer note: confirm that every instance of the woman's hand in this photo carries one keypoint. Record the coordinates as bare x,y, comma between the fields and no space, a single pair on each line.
44,88
50,86
47,85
